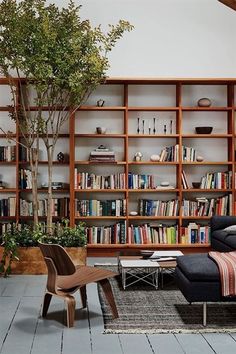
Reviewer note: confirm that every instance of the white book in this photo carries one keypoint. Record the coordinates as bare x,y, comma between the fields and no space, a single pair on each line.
158,254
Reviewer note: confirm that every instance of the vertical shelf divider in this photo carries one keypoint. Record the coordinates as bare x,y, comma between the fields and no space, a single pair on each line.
179,131
72,167
126,153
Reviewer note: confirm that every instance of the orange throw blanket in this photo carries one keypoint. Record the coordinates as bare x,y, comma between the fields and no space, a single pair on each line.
226,262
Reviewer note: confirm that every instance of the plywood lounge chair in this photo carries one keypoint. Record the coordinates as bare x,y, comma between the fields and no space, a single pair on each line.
64,278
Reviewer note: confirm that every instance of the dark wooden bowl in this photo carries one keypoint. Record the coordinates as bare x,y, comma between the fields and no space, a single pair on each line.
196,185
203,130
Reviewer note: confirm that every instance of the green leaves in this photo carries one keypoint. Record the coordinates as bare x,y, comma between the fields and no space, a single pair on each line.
52,45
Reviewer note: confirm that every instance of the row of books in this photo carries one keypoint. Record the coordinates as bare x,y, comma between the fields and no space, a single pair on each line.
114,234
8,206
208,207
148,207
84,180
7,227
144,234
217,180
60,207
24,155
93,207
211,180
141,181
194,233
8,153
25,179
148,234
170,153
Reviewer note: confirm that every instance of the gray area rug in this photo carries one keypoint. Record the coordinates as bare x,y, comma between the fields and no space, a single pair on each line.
142,309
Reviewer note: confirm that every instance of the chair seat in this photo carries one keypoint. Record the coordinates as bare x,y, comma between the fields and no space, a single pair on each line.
82,276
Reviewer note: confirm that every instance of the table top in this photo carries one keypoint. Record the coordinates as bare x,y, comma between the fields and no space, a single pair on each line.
138,263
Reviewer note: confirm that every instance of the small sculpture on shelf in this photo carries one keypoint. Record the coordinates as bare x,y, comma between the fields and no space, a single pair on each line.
155,158
62,157
138,156
100,103
133,213
199,158
2,185
165,185
204,102
101,130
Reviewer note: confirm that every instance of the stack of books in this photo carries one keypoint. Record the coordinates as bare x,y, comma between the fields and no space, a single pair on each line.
102,154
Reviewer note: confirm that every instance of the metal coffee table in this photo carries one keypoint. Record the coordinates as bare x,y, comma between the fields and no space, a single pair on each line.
139,270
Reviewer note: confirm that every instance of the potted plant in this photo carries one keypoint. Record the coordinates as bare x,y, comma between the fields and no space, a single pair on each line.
21,244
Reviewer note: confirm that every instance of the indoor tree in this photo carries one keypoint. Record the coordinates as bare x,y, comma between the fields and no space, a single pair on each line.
62,60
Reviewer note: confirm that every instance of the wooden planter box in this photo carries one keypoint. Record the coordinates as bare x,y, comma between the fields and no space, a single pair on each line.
31,260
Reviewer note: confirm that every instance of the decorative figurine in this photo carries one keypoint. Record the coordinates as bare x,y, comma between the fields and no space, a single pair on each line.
155,158
171,125
199,158
101,130
62,157
143,125
100,103
138,129
164,128
149,127
154,125
138,156
204,102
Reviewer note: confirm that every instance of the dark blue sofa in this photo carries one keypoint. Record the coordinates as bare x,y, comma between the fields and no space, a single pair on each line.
197,275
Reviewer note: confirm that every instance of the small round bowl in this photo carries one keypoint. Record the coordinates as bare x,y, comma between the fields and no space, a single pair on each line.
203,130
196,185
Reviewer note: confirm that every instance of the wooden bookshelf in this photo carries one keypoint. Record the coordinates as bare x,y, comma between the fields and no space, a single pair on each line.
145,98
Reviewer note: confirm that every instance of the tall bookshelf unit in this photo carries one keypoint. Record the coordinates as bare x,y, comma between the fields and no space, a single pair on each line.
173,104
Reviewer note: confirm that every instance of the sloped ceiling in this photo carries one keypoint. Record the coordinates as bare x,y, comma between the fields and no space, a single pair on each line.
230,3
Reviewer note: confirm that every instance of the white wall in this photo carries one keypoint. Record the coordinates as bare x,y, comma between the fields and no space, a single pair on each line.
172,38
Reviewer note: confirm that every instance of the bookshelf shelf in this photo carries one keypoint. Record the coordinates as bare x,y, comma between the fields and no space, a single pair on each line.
95,108
208,136
100,217
156,190
154,109
44,190
208,163
99,163
191,190
152,163
207,109
8,190
153,136
100,190
173,104
100,136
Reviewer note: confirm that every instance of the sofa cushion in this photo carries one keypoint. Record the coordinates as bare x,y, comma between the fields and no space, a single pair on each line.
198,267
224,237
230,229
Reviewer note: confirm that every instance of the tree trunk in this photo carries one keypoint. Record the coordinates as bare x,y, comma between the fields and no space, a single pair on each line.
50,151
33,155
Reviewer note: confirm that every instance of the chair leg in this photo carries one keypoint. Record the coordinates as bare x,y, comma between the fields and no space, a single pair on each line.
106,287
46,303
83,295
204,313
70,303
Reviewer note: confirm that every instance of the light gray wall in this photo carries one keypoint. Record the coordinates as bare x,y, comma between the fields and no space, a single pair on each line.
172,38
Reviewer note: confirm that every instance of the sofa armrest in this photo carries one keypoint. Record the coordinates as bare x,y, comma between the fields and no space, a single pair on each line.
221,222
